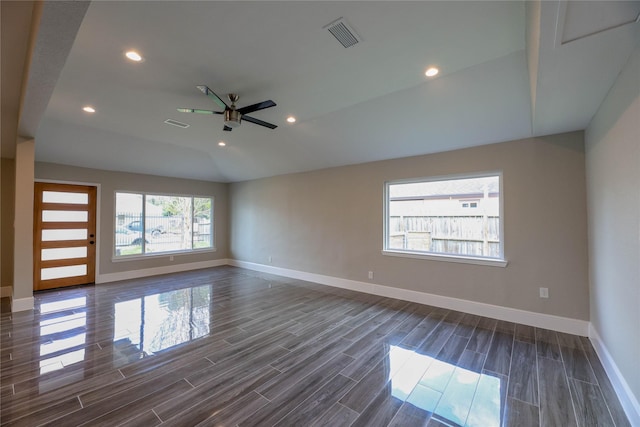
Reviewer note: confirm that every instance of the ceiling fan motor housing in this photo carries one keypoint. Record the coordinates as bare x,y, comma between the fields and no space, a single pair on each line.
232,118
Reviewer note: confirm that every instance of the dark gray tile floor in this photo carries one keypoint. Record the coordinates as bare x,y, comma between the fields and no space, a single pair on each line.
227,346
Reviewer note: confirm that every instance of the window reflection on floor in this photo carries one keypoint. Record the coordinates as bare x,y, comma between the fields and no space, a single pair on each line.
66,304
451,393
63,336
160,321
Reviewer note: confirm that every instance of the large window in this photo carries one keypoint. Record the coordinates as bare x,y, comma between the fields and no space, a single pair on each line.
150,224
455,218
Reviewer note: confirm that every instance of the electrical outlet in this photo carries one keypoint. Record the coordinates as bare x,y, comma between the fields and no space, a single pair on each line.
171,258
371,275
270,259
544,292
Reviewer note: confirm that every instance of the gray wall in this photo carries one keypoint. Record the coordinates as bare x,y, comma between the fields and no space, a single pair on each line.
613,183
8,181
110,182
330,222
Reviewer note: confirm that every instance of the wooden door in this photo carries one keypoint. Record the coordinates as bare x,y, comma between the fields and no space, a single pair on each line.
64,235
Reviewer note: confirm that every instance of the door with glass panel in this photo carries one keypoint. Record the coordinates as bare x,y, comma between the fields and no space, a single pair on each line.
64,235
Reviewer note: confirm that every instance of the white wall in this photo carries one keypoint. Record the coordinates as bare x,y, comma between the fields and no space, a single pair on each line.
330,222
613,188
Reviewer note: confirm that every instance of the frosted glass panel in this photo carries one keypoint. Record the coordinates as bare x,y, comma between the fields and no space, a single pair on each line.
63,253
58,272
63,197
65,216
71,234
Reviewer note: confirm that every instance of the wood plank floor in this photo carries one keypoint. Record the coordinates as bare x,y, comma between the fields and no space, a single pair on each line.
231,347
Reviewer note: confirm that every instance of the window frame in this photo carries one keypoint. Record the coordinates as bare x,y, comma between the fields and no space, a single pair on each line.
500,261
143,255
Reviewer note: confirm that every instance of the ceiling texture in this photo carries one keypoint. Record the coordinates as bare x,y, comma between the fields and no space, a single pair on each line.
508,70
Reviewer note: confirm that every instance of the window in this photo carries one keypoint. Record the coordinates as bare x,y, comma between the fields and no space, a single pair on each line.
153,224
452,218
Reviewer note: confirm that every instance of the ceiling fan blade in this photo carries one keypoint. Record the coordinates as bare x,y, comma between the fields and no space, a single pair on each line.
256,107
227,128
259,122
195,110
204,89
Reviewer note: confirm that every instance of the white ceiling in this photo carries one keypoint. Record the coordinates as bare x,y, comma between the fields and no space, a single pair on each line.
509,70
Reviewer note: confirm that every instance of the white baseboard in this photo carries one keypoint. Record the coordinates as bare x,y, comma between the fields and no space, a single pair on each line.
628,401
540,320
6,291
21,304
165,269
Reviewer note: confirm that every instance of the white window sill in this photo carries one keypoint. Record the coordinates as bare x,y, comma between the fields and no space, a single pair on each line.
493,262
160,255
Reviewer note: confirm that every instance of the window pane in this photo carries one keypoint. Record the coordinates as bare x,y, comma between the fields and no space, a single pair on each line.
202,229
64,234
65,216
63,253
168,223
64,197
128,232
454,216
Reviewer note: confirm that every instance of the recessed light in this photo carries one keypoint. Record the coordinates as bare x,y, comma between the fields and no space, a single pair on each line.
432,71
222,144
291,119
89,109
133,55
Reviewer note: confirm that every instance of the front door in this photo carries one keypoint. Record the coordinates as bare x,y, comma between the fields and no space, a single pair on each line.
64,235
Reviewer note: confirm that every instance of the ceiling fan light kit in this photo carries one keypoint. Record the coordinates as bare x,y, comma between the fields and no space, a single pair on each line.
232,116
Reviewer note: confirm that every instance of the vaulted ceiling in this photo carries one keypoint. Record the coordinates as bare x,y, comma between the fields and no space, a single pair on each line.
508,70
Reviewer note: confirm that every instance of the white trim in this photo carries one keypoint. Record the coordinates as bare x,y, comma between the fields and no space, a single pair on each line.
627,399
144,194
492,262
540,320
6,291
168,254
499,262
165,269
21,304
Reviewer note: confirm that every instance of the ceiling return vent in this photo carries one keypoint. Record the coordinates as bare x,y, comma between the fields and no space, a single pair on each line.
343,32
176,123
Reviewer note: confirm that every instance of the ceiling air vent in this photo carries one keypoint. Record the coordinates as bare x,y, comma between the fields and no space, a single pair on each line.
343,32
176,123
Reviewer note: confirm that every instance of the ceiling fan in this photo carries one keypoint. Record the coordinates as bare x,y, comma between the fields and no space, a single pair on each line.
232,116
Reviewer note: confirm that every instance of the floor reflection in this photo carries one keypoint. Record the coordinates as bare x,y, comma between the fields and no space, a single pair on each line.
160,321
147,324
264,351
62,336
454,395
